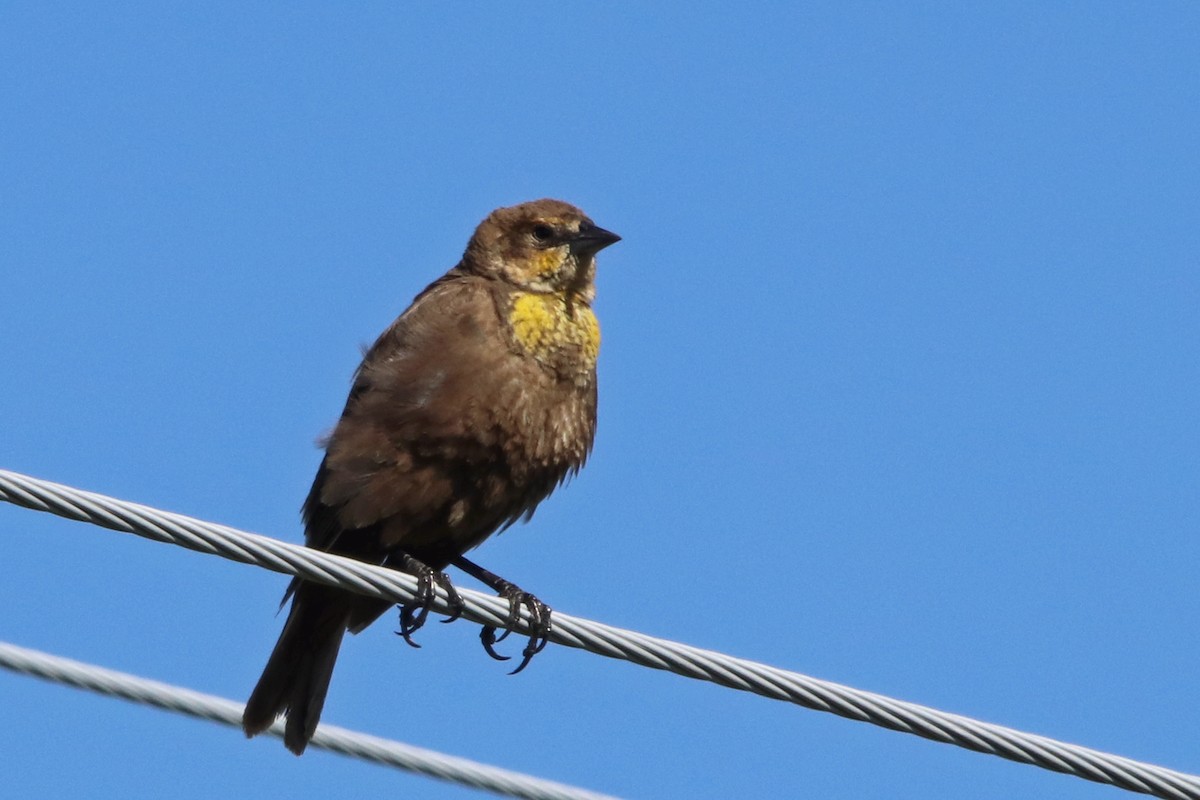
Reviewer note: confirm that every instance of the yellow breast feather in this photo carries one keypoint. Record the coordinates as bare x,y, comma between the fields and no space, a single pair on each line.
546,326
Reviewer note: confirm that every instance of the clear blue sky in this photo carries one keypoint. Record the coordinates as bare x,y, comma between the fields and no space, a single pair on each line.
899,382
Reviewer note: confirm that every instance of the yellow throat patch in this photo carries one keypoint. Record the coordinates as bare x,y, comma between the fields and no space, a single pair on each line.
548,329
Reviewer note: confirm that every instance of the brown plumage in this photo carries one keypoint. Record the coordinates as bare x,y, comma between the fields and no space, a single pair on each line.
464,415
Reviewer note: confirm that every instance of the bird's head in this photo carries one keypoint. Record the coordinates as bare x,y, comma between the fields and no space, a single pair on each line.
544,246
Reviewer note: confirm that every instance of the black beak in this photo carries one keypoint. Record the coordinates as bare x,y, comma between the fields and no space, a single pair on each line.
592,239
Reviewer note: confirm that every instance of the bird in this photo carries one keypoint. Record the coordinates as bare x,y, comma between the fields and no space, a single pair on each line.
467,411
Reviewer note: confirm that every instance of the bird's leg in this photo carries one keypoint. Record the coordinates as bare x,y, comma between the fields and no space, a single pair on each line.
539,614
414,614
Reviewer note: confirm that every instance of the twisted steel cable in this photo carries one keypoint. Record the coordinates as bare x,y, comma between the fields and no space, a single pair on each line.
328,737
692,662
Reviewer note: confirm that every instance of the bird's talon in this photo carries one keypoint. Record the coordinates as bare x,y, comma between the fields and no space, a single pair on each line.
408,626
532,648
414,615
422,615
526,658
487,635
539,625
408,639
452,597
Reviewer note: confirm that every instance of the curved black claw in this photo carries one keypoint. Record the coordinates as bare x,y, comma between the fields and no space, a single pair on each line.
408,625
414,614
539,626
452,597
487,635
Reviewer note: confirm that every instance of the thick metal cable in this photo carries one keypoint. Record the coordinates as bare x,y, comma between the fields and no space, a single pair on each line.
692,662
328,737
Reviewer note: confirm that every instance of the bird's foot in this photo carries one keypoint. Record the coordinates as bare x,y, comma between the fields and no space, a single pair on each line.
539,624
414,614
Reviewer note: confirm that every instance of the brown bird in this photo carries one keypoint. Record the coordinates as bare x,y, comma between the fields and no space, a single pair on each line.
465,414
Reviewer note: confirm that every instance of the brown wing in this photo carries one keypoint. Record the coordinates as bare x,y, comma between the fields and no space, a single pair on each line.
418,434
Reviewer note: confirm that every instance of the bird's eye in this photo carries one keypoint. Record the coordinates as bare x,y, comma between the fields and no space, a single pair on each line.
542,232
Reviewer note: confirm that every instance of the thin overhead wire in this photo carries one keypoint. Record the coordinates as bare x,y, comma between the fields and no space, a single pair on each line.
328,737
609,641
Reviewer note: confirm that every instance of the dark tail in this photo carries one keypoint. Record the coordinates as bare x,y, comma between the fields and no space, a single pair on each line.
297,674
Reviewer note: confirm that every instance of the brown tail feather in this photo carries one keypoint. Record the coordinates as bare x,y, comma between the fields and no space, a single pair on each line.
297,674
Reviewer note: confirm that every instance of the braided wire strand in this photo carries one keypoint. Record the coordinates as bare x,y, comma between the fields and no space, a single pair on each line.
596,637
328,737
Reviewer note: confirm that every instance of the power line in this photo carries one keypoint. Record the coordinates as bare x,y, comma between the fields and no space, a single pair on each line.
607,640
328,737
